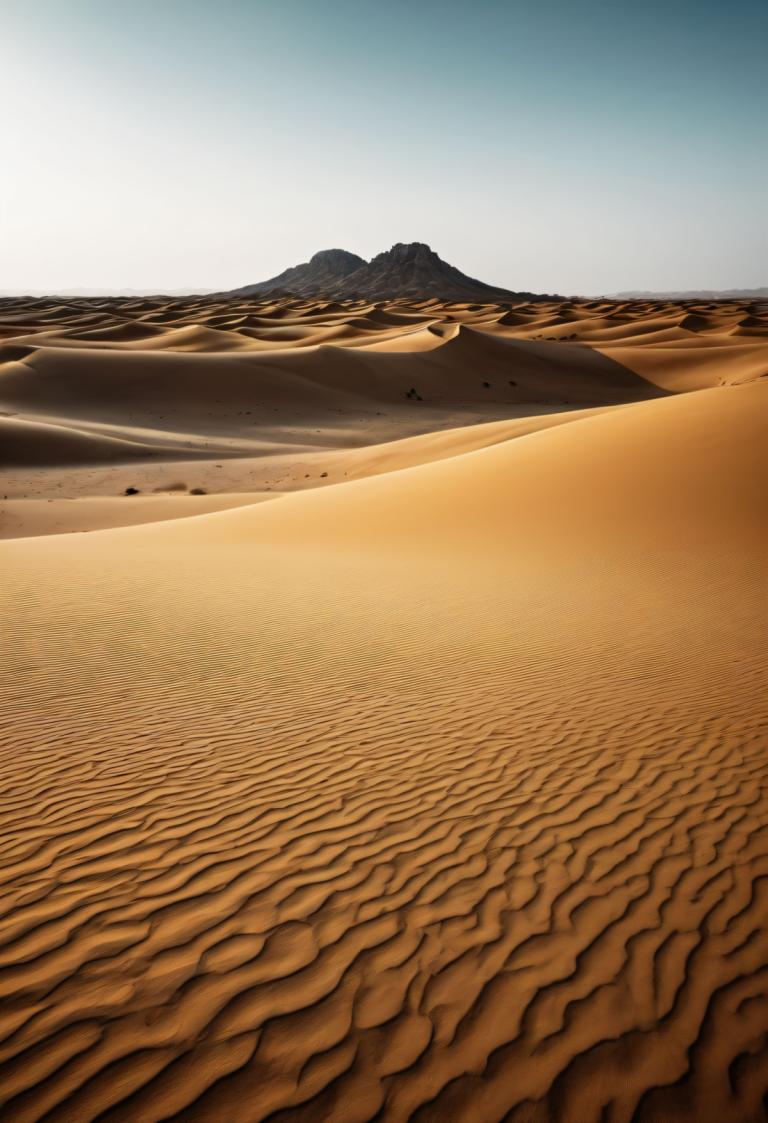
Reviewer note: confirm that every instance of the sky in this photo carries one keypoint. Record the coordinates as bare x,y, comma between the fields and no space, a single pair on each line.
545,145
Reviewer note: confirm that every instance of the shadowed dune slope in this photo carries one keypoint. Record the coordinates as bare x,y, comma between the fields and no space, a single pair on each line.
34,442
469,367
437,795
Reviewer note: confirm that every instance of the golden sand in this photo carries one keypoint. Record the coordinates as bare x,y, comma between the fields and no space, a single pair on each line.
417,770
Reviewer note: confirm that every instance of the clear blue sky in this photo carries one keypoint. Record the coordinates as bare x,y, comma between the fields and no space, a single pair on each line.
546,144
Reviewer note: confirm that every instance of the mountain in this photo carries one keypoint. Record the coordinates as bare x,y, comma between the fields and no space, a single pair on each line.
409,270
414,270
693,294
317,276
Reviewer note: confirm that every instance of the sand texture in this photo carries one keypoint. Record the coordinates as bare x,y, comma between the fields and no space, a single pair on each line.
418,768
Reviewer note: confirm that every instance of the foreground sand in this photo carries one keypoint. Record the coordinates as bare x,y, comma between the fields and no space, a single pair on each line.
434,791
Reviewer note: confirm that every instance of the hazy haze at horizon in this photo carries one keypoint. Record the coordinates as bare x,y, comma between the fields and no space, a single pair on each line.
555,148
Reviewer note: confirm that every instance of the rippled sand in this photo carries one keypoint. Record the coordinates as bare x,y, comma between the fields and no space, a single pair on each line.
429,780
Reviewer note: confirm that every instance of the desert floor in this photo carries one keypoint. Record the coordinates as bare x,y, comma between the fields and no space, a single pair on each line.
399,750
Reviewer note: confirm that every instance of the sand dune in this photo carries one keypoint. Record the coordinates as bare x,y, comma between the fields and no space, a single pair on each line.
700,482
233,421
24,441
434,790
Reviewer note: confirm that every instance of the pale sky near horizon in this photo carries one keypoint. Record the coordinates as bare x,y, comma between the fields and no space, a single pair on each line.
541,145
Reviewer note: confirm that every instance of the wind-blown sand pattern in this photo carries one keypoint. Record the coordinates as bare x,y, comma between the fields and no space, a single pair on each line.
428,780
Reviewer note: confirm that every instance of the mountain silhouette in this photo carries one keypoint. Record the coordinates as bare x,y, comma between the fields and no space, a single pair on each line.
409,270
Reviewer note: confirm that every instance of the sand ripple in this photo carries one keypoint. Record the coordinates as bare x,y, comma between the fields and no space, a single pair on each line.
439,795
280,856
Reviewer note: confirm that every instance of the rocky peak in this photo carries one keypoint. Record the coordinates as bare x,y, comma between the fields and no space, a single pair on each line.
404,252
337,261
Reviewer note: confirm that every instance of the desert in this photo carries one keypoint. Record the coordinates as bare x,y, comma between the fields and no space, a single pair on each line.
384,730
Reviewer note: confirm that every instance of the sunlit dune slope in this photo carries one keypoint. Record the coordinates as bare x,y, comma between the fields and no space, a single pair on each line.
436,795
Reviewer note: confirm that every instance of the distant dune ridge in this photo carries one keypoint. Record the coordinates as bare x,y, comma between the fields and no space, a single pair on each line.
693,294
385,709
409,270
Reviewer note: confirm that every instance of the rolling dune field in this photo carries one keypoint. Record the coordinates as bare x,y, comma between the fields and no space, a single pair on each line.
385,723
